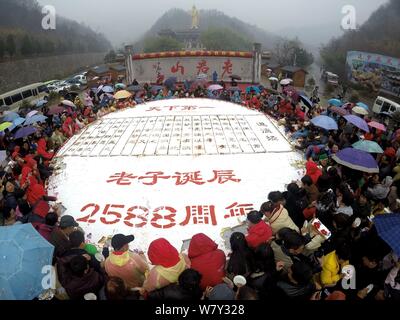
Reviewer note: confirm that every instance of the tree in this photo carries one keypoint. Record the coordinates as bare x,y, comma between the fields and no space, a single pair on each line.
10,45
2,48
303,58
291,52
27,47
224,39
160,44
37,46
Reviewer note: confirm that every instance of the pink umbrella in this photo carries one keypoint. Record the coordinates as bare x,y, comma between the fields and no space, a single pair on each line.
377,125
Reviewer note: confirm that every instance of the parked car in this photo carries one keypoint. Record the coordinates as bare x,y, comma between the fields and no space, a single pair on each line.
81,78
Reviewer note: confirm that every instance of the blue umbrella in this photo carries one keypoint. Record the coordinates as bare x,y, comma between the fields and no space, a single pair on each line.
335,102
156,88
108,89
324,122
23,255
41,103
388,226
11,116
24,132
306,100
35,119
17,122
362,105
253,88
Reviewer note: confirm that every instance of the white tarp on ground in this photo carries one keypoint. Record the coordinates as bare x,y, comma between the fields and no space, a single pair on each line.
171,169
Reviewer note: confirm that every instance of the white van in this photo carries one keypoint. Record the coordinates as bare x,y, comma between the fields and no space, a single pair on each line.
32,94
385,105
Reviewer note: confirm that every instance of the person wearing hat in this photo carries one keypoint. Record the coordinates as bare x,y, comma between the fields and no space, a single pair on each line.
122,263
258,232
323,162
59,238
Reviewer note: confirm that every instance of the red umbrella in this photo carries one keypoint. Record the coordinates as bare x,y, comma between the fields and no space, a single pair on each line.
377,125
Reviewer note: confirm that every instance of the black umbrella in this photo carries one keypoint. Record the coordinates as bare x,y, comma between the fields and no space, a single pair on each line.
235,76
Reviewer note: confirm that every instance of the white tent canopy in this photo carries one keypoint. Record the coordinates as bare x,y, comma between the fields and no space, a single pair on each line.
171,169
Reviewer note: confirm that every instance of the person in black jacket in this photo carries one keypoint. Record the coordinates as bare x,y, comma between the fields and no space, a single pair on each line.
296,202
188,289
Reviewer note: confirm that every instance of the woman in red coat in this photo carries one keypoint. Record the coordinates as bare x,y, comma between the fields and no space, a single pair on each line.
42,149
207,259
259,232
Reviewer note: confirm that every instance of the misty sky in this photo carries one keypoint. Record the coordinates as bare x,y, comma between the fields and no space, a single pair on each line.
126,20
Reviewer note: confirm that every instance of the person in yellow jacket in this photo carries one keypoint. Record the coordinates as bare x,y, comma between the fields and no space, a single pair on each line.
332,264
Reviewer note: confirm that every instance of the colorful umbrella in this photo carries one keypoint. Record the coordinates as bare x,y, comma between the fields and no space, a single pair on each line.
10,116
377,125
340,111
123,94
24,254
357,160
24,132
388,226
5,125
215,87
362,105
358,122
368,146
35,119
324,122
335,102
32,113
359,110
68,103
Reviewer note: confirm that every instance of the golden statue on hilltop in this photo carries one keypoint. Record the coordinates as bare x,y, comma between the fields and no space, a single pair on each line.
195,18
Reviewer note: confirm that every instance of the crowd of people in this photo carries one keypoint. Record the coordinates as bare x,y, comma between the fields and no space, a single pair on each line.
282,255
